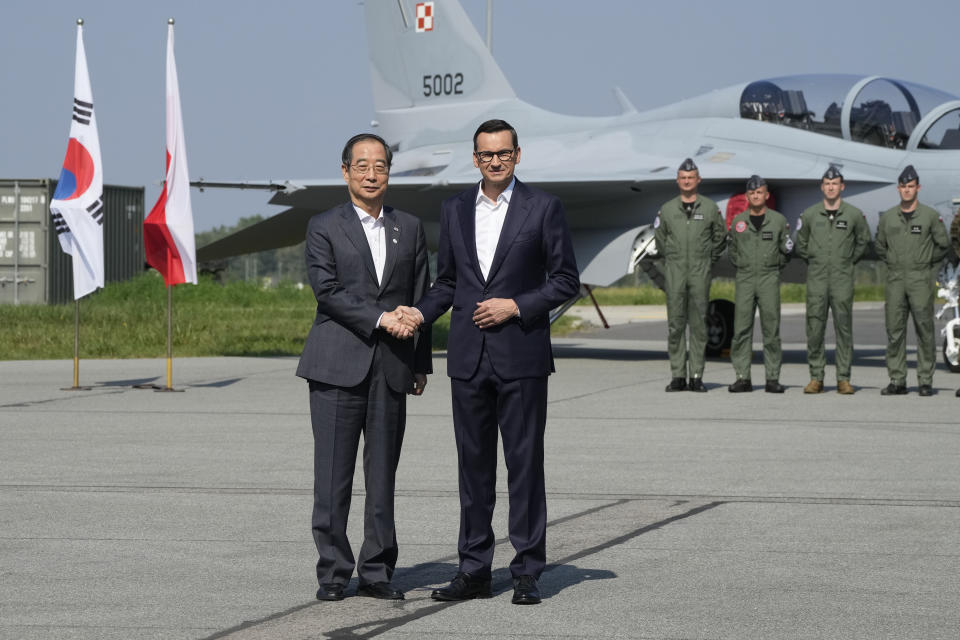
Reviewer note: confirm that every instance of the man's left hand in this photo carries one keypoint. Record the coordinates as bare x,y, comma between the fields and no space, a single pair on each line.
494,311
419,384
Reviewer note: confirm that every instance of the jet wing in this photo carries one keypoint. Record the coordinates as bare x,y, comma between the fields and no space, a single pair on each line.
590,183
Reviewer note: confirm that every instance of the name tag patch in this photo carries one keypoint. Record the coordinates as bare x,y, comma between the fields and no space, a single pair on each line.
841,224
767,235
698,216
915,228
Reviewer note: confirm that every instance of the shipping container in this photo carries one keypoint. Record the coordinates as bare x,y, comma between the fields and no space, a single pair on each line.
33,267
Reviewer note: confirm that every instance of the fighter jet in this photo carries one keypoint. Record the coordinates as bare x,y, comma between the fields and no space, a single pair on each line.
434,81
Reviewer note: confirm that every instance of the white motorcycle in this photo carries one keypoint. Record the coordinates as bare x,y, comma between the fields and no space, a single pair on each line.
949,282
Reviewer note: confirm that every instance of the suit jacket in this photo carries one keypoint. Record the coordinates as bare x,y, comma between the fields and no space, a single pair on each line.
534,264
341,343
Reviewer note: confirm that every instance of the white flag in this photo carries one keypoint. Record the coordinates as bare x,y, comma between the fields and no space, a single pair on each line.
168,230
77,204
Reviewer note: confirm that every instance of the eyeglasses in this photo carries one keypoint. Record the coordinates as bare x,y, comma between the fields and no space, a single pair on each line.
505,155
361,169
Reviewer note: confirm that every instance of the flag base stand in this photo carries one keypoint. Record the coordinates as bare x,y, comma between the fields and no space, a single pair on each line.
157,388
75,388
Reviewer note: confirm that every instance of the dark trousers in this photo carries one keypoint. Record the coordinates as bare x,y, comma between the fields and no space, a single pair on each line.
519,407
339,415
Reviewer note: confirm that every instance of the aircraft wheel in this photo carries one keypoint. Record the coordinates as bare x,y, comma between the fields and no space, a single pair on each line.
951,360
719,327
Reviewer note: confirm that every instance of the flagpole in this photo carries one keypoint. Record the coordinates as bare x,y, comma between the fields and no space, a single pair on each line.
170,338
168,229
77,210
76,350
169,386
76,343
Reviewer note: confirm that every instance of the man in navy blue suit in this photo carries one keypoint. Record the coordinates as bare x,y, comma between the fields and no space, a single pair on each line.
504,260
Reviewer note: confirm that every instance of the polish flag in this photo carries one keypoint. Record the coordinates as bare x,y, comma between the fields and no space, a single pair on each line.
168,229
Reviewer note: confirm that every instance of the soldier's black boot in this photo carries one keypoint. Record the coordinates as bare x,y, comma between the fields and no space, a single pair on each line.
677,384
774,386
957,393
740,386
696,384
926,390
894,389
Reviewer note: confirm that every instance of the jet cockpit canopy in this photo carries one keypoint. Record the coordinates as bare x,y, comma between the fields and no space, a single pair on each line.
872,110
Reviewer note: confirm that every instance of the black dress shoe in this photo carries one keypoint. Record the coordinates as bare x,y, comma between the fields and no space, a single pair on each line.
957,393
526,590
774,386
381,590
740,386
696,384
463,587
926,390
330,592
894,390
677,384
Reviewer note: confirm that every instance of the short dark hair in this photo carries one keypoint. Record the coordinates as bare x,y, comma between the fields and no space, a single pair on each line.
495,126
347,156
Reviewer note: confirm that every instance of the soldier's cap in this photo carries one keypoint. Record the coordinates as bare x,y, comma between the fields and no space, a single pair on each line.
832,173
908,174
688,165
755,182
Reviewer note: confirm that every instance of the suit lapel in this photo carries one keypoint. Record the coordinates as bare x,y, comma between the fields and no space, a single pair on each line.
353,229
392,230
468,227
512,223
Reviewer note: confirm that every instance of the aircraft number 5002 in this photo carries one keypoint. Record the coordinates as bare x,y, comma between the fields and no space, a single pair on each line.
443,85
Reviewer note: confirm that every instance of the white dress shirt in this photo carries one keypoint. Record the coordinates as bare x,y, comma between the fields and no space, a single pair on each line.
377,240
489,223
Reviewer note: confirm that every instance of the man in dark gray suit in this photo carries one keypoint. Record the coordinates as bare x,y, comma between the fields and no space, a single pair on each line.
363,260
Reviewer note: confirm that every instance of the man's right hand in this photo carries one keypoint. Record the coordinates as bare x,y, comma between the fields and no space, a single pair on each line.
396,324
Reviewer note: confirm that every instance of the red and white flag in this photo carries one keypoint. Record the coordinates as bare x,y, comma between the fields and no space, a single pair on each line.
168,229
77,205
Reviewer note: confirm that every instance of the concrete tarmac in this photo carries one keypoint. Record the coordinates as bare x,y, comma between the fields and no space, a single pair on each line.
134,514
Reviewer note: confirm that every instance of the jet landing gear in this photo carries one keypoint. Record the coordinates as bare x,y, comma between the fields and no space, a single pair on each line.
719,327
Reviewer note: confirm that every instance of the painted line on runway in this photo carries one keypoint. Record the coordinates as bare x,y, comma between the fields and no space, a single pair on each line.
503,495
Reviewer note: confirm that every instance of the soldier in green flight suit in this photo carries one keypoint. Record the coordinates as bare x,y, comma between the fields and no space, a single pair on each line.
912,240
760,246
690,235
832,236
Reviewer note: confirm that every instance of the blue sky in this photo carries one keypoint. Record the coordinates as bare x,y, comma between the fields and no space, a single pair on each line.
272,89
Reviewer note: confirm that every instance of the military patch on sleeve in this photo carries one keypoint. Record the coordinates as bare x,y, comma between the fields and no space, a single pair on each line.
841,224
799,223
741,226
788,245
656,223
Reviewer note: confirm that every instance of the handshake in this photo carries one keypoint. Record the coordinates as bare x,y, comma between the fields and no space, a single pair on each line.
402,322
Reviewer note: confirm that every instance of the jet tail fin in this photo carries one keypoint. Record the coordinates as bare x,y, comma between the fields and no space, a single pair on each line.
430,70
